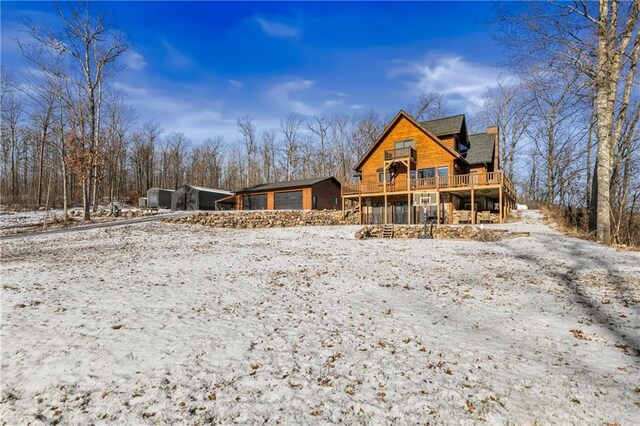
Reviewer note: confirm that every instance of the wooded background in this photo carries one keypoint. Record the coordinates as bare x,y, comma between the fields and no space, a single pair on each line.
567,108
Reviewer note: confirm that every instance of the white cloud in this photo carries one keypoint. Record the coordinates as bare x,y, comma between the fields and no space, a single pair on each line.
461,82
235,84
282,93
278,29
179,111
173,57
332,103
134,60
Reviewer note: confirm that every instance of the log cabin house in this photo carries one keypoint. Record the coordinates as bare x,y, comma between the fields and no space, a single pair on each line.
432,171
307,194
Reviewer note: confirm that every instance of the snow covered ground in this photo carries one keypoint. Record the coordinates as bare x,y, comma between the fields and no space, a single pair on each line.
13,222
16,219
161,323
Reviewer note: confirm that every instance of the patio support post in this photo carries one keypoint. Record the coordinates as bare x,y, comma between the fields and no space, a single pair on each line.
473,209
450,200
359,209
500,204
385,209
384,189
408,164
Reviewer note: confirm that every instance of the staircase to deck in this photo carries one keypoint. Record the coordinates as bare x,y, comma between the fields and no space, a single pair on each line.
387,231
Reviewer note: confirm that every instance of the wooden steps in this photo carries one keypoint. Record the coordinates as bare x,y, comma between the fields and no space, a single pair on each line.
387,231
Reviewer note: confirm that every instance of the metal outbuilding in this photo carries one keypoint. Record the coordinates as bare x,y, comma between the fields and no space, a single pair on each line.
159,197
191,197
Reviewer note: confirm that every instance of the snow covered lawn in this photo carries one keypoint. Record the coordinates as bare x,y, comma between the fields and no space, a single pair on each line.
161,323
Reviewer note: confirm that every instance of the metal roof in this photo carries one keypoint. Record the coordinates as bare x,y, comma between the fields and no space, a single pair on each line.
285,185
481,148
203,189
160,189
444,126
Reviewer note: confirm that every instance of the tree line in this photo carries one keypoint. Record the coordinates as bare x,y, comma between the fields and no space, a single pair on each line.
567,108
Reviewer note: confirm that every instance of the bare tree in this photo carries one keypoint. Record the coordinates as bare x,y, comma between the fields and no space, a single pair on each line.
366,130
505,106
12,109
340,135
556,126
599,40
429,106
249,140
319,127
176,151
290,127
94,46
268,151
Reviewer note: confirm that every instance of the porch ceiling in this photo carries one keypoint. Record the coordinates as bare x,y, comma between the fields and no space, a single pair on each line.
490,193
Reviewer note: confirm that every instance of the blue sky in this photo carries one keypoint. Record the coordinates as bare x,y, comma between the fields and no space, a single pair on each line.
197,66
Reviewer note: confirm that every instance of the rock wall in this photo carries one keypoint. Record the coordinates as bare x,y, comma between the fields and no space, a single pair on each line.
268,219
442,231
108,213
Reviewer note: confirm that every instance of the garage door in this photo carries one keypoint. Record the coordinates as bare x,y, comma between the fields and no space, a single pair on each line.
288,200
255,202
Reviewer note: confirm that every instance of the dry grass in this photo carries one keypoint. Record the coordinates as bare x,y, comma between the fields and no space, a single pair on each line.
557,216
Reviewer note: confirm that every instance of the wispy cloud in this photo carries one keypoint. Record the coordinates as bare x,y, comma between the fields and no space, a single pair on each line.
173,58
235,84
283,94
461,82
332,103
199,117
134,60
278,29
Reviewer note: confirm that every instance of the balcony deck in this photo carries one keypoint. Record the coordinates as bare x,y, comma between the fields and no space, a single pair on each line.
406,153
438,184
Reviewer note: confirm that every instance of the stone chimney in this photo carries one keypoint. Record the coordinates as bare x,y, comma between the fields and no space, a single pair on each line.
493,130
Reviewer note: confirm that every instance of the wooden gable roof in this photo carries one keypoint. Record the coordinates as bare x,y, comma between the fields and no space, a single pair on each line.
400,115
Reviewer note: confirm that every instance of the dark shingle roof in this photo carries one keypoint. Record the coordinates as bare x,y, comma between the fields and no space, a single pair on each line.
444,126
481,148
285,185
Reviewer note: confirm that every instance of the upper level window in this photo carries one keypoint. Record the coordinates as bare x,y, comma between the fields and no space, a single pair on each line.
431,172
427,173
403,144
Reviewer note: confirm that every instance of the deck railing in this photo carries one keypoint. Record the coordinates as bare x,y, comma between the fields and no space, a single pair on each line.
399,153
473,180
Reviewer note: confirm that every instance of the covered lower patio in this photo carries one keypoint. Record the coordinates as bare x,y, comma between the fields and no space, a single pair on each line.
401,209
455,206
487,205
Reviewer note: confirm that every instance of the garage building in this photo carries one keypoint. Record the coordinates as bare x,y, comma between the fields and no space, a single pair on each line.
307,194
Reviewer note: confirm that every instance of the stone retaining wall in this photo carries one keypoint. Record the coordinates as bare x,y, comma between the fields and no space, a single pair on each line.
460,232
108,213
267,219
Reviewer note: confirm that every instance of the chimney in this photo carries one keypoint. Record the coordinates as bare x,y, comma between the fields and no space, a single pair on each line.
493,130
